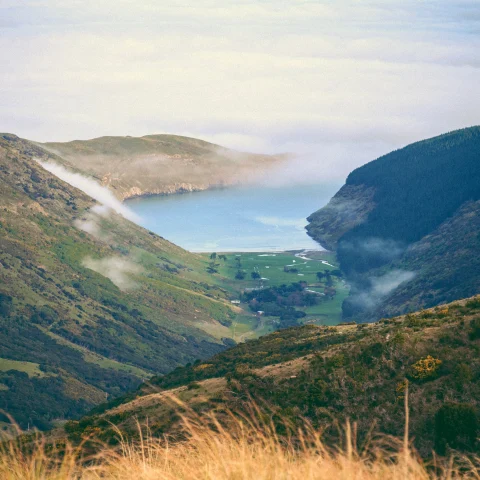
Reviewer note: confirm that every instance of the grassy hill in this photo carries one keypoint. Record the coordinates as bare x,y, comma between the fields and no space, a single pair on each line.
160,164
88,312
327,375
409,218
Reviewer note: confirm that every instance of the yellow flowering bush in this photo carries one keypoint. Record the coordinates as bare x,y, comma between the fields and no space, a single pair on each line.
203,366
426,368
400,390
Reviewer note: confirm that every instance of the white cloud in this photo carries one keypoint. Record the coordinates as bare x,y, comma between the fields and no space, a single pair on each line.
339,82
380,287
104,196
118,270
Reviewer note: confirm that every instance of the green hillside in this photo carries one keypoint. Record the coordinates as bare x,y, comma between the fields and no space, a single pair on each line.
85,315
327,375
160,164
412,210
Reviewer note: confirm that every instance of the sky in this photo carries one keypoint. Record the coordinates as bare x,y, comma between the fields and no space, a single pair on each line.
336,82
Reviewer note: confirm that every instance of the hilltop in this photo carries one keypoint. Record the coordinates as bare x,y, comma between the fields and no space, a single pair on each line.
327,375
90,303
406,226
160,164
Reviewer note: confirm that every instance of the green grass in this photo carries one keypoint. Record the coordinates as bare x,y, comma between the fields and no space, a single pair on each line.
32,369
330,311
271,268
100,360
108,363
247,326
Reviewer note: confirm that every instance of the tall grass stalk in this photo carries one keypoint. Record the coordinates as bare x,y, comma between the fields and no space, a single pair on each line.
243,448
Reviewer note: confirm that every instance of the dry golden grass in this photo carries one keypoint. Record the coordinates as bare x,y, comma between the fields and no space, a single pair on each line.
247,449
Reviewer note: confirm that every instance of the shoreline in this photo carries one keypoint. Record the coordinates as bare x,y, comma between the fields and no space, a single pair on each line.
180,191
296,252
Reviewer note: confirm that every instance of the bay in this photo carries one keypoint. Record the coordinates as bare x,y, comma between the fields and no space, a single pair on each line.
236,219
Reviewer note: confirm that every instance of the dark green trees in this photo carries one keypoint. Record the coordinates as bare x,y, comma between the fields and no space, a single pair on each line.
456,426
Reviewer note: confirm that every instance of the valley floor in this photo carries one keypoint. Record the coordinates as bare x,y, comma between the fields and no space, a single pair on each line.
303,266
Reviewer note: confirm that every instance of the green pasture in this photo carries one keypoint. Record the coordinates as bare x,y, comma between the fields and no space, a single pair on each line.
31,369
271,268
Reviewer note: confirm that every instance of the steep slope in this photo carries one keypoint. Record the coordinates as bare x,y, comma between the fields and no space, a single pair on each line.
326,375
89,304
444,266
160,164
406,212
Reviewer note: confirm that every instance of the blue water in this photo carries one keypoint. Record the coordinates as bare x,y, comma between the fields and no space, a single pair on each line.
235,219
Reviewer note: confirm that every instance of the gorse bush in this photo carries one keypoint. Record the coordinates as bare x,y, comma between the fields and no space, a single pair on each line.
426,368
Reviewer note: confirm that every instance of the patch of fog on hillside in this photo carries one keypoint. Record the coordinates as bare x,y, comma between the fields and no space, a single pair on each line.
373,289
88,185
91,222
118,270
379,287
380,249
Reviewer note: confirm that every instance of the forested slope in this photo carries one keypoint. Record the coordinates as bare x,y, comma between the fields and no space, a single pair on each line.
415,194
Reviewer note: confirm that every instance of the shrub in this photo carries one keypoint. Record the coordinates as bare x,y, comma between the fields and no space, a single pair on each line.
369,353
426,368
475,329
473,304
6,305
193,386
462,375
240,275
456,426
413,321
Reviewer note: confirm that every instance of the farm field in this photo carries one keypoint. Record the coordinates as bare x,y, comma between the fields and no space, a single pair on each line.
303,267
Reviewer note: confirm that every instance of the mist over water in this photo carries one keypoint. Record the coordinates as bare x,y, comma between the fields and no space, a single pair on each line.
254,218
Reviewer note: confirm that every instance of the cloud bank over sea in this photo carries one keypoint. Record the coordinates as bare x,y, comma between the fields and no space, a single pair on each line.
337,83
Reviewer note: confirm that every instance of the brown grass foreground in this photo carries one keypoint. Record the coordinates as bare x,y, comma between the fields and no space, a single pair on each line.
242,452
248,448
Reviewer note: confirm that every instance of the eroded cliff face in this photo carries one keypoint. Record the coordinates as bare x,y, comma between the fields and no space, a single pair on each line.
348,208
169,189
135,192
